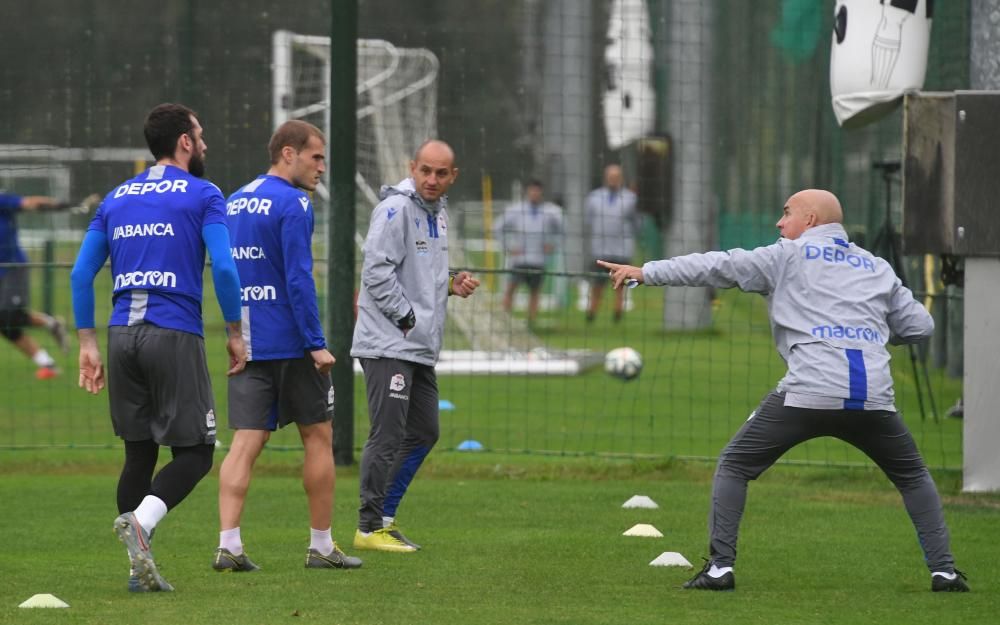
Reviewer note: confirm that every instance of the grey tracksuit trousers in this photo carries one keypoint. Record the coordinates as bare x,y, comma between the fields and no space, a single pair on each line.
403,412
775,428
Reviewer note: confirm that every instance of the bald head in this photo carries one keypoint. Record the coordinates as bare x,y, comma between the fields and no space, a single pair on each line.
807,209
613,177
433,169
436,149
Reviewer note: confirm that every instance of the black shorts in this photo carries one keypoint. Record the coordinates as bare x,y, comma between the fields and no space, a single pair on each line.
159,386
532,275
270,394
601,277
14,289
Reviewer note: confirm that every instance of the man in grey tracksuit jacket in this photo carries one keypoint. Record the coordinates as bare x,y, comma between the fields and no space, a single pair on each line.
405,284
833,308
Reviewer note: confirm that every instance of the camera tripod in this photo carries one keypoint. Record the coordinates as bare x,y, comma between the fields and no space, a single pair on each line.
887,245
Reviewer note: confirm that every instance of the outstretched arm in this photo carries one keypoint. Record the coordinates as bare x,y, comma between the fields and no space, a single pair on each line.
622,274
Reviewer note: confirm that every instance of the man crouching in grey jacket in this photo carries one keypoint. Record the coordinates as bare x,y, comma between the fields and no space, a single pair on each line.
833,308
405,284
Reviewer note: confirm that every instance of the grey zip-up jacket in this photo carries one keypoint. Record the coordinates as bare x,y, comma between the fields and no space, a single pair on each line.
612,221
526,231
405,267
833,307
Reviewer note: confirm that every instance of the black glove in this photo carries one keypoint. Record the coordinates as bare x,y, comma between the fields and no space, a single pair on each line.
407,322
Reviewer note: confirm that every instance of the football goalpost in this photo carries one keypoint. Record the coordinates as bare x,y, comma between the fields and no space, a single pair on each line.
396,112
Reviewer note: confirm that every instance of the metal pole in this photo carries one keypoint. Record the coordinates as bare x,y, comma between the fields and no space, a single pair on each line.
980,392
340,243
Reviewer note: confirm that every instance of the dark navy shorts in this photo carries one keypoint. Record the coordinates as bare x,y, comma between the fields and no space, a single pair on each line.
270,394
532,275
14,291
159,386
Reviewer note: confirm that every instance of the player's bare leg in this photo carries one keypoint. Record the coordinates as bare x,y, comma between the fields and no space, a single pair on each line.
508,295
319,477
619,304
30,348
533,305
235,473
234,483
55,326
596,291
318,472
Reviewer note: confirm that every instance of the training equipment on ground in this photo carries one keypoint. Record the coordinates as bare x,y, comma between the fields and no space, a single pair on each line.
644,530
623,362
44,601
640,501
671,558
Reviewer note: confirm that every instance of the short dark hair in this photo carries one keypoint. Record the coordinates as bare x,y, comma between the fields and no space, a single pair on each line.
295,134
164,126
534,182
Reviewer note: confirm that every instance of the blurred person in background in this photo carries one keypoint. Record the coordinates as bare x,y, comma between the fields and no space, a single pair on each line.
612,221
529,231
15,288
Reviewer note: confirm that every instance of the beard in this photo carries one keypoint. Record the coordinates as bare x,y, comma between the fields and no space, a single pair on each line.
196,166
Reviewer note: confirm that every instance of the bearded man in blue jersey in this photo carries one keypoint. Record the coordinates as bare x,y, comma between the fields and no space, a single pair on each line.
287,379
833,307
156,228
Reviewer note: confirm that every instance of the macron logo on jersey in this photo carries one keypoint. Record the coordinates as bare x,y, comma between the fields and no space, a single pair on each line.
253,205
259,293
304,201
248,253
142,188
145,278
142,230
859,333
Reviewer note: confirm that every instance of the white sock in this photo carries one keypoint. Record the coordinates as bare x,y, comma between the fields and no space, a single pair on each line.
230,539
150,512
944,574
42,359
321,541
388,521
719,572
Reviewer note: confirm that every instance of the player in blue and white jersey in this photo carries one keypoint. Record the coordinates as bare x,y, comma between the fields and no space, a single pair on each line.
833,308
287,378
156,228
15,312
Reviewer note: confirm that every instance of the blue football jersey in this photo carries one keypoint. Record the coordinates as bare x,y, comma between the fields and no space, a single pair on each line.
271,226
10,250
153,223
